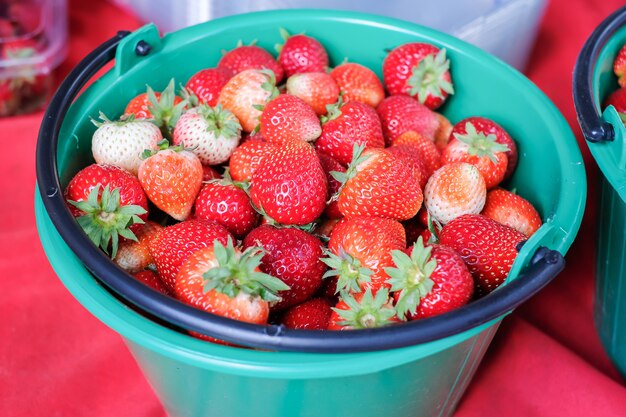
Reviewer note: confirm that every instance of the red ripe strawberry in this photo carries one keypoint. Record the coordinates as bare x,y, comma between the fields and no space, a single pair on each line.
480,150
9,101
378,184
287,118
512,210
122,143
420,70
487,127
224,281
228,205
209,174
429,280
399,114
164,109
317,89
212,133
487,247
359,249
430,155
313,314
453,190
329,165
152,280
619,67
171,246
246,93
171,178
246,57
133,256
346,125
289,185
363,311
291,255
247,157
109,204
413,159
358,83
301,53
206,85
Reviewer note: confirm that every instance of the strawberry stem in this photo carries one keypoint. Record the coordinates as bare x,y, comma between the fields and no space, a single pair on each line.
411,277
238,272
480,144
371,311
351,275
427,78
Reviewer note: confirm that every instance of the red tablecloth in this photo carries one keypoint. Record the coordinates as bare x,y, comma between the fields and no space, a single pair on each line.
58,360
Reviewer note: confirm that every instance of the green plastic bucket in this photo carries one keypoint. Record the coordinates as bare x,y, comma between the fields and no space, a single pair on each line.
594,80
416,369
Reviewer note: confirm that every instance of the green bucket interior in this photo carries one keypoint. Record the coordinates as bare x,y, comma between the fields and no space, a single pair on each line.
610,299
550,174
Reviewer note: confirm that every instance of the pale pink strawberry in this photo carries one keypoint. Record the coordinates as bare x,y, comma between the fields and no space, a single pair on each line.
453,190
245,95
212,133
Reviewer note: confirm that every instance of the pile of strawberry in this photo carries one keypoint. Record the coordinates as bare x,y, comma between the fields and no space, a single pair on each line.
278,190
618,97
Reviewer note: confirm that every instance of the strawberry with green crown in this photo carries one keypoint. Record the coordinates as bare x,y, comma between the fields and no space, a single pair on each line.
428,280
163,109
212,133
377,183
223,280
420,70
109,204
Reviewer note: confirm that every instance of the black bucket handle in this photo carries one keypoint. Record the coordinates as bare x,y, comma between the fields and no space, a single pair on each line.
544,265
594,128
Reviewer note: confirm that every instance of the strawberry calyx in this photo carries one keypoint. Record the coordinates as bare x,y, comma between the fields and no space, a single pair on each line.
333,111
284,35
427,78
164,113
106,219
123,120
238,272
221,121
270,84
371,311
349,271
351,171
411,277
480,144
622,117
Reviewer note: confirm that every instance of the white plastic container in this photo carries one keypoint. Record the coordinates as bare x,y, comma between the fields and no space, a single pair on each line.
505,28
33,42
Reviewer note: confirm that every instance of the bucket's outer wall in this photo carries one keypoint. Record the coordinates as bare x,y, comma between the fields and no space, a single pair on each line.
610,299
195,378
428,387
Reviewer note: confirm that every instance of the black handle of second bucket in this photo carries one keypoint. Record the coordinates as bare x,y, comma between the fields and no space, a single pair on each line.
544,266
594,128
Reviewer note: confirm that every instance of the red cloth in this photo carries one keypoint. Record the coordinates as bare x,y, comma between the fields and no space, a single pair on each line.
56,359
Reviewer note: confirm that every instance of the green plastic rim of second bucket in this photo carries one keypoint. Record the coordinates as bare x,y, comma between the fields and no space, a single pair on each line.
550,172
